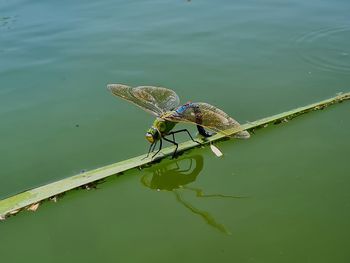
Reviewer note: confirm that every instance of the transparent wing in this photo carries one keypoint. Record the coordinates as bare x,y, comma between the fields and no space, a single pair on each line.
156,100
207,116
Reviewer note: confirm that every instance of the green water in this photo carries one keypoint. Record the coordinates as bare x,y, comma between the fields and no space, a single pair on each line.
281,196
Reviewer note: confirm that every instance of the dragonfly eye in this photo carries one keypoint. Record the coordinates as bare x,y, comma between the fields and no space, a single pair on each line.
152,135
149,137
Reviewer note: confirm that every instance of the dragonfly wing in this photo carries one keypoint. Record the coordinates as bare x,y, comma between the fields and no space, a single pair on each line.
155,100
207,116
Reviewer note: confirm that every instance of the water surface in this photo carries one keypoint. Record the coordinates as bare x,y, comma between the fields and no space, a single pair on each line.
279,197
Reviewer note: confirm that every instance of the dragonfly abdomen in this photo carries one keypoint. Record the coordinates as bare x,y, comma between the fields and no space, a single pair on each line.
198,116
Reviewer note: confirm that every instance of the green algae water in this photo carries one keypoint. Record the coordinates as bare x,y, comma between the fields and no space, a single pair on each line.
281,196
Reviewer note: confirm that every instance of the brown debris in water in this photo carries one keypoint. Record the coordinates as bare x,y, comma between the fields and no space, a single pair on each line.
216,150
54,199
14,212
33,207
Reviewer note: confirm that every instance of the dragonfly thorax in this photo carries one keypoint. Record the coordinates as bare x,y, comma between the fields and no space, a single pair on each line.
159,128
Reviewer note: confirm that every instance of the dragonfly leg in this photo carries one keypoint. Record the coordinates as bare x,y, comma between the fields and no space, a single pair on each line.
150,149
173,142
184,130
154,145
160,147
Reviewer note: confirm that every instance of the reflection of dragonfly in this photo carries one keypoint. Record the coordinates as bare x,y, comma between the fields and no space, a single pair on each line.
164,104
174,177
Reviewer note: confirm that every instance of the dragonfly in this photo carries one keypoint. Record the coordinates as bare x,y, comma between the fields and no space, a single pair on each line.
164,104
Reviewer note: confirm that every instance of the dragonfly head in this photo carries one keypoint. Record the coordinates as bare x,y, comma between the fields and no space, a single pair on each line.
152,135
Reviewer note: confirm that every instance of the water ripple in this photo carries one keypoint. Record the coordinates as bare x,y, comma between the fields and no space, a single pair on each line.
6,22
326,49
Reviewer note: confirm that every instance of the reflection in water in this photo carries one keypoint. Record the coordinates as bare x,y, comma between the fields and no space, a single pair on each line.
174,176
